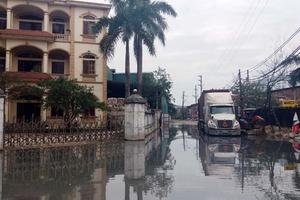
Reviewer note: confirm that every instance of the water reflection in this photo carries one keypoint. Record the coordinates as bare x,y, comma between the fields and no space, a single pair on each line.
219,156
176,164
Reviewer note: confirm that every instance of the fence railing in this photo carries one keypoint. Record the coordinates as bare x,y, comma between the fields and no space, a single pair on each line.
46,133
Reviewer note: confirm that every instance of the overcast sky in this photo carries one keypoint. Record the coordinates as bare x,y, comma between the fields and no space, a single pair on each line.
215,38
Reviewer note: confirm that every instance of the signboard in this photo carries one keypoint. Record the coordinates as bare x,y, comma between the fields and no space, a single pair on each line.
288,104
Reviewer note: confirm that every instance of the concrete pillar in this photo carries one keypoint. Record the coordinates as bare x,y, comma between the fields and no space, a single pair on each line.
46,22
2,97
7,60
45,63
8,18
135,107
134,160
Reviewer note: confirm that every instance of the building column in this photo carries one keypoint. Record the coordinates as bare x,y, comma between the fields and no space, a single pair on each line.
7,60
2,97
45,63
46,22
8,18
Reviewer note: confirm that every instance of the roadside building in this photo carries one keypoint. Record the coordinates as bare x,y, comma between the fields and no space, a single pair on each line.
287,94
193,112
42,39
116,83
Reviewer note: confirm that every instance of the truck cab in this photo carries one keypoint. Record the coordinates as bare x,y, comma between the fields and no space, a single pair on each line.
217,114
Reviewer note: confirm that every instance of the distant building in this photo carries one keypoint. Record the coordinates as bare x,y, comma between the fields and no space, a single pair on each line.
193,111
116,83
116,86
42,39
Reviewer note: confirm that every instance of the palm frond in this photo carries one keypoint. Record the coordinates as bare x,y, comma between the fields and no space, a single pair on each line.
109,42
164,8
101,24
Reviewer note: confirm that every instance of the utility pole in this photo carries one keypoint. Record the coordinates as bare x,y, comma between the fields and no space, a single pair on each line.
196,94
248,76
182,109
200,84
241,93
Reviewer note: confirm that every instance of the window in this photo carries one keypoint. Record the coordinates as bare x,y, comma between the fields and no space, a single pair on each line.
28,22
25,65
58,26
88,24
2,20
2,64
58,67
221,110
56,112
89,64
29,62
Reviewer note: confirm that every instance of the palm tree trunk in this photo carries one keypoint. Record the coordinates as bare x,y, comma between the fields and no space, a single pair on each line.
140,66
127,70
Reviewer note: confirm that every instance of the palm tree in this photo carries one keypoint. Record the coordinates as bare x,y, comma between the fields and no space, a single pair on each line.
149,23
119,27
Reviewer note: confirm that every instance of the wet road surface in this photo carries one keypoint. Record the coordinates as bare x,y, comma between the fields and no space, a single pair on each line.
176,164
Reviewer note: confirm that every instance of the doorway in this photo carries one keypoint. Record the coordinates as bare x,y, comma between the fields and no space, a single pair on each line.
28,112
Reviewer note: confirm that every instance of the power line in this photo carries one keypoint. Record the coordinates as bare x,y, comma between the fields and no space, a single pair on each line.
280,66
275,52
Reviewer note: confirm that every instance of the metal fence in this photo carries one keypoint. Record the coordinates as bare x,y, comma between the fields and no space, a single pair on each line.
37,134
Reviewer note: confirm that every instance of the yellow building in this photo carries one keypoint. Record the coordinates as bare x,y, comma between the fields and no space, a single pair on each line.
51,38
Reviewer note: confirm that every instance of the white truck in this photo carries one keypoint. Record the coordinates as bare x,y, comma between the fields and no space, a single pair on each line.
217,114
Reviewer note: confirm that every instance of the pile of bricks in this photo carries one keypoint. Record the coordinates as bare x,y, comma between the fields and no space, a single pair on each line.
116,104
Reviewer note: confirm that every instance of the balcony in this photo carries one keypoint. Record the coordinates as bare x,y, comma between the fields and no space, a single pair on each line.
26,34
61,37
33,77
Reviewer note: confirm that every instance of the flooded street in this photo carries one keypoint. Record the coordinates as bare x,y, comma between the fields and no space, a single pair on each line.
172,165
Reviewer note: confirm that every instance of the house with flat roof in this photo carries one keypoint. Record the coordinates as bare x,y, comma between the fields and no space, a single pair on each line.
42,39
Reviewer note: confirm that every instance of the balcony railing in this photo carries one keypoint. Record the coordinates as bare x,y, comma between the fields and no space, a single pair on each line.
61,37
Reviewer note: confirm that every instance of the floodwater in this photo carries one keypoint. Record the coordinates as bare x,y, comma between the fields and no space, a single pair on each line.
177,165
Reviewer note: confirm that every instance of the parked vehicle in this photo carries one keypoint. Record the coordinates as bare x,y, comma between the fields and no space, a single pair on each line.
251,120
216,113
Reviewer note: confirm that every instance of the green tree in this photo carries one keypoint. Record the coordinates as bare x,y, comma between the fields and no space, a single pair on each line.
7,82
119,27
149,24
69,97
254,94
156,85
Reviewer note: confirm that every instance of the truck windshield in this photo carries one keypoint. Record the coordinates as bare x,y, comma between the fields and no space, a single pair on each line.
221,109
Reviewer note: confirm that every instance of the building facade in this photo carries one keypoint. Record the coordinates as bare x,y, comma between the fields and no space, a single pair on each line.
42,39
287,94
